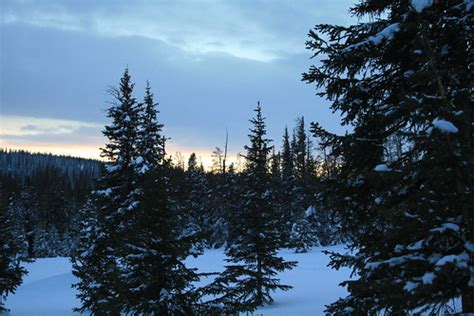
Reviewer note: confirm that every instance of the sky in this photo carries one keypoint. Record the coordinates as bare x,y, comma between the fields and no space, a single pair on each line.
208,63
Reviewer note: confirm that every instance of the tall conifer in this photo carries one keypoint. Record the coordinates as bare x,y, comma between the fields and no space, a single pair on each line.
99,262
406,73
158,238
249,279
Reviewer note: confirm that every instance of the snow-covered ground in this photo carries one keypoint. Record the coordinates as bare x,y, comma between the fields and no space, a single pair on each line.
47,291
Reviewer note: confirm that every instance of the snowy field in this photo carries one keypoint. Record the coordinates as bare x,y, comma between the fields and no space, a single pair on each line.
46,290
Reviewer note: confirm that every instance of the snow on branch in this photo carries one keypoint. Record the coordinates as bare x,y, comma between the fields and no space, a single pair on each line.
445,126
385,34
420,5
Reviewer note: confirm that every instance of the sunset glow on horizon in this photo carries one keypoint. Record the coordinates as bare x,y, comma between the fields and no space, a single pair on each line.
93,152
207,71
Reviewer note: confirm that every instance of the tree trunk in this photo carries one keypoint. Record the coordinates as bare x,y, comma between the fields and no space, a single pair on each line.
30,241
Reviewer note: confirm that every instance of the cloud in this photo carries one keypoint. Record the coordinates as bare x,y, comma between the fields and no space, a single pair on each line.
257,30
21,126
209,62
76,138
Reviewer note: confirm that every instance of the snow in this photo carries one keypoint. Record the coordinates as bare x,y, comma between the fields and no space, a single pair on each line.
47,288
460,260
382,168
469,246
399,248
408,73
445,126
428,278
311,211
445,227
139,160
110,168
143,169
394,261
410,286
386,34
420,5
417,245
106,192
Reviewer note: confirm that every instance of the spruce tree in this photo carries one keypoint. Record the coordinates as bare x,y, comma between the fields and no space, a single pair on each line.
249,279
11,272
275,167
407,74
99,262
225,194
302,235
25,221
159,236
299,150
287,164
287,187
197,204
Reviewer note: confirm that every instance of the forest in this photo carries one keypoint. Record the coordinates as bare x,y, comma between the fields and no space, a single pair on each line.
396,189
46,193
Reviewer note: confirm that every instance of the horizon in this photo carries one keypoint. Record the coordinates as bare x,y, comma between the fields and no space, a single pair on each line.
207,71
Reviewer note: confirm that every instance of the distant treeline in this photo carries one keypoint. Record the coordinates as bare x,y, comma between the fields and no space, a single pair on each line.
44,193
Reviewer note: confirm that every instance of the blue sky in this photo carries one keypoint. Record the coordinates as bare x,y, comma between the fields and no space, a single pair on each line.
208,62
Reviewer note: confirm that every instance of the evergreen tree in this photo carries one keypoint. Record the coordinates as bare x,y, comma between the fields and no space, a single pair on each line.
275,167
45,192
248,281
225,196
299,150
287,157
25,221
159,237
287,187
197,204
11,272
98,264
303,234
405,73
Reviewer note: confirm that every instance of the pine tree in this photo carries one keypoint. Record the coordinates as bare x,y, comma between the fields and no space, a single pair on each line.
197,204
11,272
225,193
249,279
25,221
98,264
302,235
405,73
287,157
287,187
159,236
275,167
299,150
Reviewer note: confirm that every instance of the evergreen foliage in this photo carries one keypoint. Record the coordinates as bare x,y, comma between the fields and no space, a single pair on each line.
302,234
44,194
159,236
134,235
198,203
405,74
11,272
249,279
99,264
